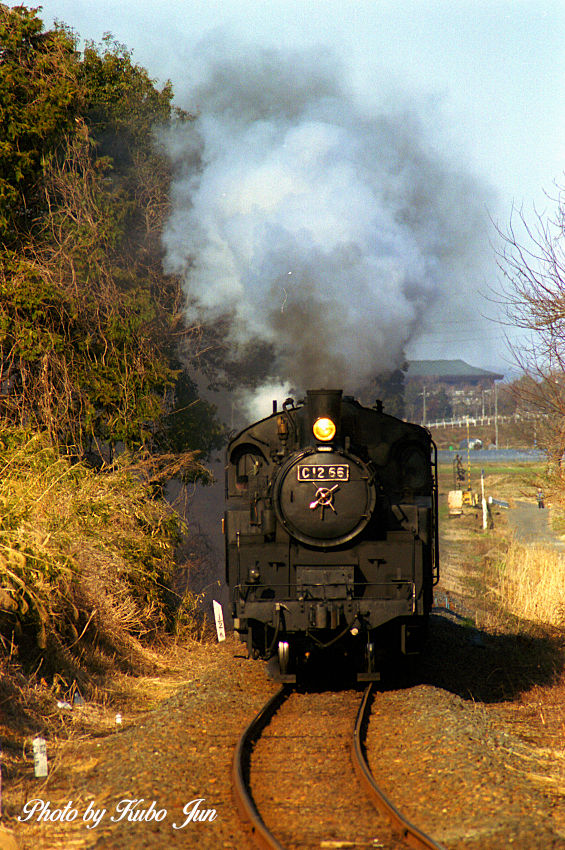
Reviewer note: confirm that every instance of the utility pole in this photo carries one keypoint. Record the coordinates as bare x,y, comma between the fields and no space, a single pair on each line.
496,414
424,406
468,459
484,501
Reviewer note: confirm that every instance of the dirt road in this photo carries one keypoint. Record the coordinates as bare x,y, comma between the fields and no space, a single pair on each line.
531,525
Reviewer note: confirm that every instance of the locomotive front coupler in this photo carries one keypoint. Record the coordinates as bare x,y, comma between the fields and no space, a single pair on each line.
342,634
361,634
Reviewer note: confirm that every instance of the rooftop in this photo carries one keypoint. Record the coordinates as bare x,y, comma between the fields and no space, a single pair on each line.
448,369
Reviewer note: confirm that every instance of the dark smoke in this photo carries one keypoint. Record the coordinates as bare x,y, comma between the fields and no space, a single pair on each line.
327,233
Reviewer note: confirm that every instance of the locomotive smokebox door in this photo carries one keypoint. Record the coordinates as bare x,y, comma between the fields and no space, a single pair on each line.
324,499
324,410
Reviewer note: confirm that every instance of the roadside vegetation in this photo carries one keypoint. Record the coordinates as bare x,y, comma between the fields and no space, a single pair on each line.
87,562
516,584
532,261
99,405
528,582
525,581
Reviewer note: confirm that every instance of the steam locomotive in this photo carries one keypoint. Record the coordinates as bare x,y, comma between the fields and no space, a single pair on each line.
331,533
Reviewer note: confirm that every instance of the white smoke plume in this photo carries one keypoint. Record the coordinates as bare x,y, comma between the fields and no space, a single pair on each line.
329,233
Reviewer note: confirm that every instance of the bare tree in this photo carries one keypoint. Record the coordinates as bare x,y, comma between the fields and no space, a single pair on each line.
532,261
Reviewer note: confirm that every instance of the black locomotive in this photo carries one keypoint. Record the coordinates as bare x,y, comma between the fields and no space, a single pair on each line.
331,532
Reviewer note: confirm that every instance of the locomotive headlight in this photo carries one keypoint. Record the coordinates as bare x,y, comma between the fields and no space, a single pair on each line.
324,429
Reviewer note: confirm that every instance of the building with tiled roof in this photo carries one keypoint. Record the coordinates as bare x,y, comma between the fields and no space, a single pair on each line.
450,372
436,389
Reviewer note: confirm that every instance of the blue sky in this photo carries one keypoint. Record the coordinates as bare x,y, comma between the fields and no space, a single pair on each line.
489,77
496,68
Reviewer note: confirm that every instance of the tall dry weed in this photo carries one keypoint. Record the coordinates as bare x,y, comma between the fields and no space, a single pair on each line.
86,561
529,581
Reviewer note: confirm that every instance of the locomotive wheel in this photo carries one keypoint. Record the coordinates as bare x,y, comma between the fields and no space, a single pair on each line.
370,657
284,656
253,650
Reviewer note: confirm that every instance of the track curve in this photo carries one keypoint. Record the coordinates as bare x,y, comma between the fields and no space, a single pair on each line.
240,773
248,811
409,833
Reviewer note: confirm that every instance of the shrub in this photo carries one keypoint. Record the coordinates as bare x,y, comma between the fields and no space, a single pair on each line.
86,560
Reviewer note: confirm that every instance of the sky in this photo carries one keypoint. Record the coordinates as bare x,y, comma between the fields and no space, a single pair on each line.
487,80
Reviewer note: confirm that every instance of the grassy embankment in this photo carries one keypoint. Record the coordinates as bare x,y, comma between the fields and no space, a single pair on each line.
518,583
87,561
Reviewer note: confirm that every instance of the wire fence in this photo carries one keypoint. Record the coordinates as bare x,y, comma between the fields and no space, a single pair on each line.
476,421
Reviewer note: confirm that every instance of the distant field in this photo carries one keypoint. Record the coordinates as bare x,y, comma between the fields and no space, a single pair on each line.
496,467
503,480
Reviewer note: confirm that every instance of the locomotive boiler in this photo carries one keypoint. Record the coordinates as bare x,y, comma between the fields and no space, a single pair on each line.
331,533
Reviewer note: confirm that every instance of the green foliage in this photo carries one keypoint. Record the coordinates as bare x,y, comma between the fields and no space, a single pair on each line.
38,102
89,323
123,107
193,423
32,312
76,368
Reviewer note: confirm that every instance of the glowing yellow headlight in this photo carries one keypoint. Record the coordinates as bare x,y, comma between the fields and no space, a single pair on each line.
324,429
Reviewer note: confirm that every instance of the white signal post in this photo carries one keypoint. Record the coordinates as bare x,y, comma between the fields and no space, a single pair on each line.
485,509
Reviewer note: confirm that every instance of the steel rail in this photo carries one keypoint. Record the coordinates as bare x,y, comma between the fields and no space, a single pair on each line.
248,811
240,773
408,832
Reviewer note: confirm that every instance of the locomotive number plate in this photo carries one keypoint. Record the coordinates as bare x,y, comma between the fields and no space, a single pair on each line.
323,472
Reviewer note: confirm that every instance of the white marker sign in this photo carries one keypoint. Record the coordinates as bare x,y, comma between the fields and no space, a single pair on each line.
219,617
40,757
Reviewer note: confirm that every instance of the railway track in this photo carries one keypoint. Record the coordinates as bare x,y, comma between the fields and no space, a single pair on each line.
286,746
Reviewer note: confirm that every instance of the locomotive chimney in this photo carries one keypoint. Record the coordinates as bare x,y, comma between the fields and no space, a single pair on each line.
325,404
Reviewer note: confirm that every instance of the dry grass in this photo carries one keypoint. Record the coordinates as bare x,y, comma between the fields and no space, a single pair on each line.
516,583
86,566
528,581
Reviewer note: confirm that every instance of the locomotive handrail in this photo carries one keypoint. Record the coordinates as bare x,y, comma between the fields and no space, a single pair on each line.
292,598
435,565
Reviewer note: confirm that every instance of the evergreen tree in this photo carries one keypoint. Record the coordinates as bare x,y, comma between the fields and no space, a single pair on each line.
389,388
38,104
89,324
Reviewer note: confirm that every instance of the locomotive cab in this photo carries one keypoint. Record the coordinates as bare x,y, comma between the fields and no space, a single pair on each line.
331,532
